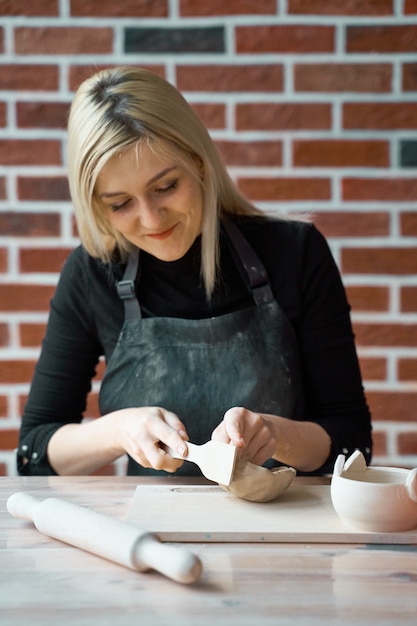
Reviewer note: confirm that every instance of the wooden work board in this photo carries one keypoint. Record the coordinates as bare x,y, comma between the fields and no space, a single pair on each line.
206,513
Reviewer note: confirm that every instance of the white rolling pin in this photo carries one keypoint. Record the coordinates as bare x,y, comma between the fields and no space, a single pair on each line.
112,539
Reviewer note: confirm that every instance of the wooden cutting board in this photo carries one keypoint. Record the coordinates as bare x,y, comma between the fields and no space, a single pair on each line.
205,513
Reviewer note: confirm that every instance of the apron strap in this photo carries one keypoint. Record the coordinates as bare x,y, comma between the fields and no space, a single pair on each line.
126,287
254,272
245,256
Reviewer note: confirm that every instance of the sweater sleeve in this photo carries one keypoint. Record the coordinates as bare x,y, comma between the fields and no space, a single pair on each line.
62,378
334,392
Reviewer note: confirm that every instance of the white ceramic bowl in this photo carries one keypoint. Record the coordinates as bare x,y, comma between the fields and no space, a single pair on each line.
375,499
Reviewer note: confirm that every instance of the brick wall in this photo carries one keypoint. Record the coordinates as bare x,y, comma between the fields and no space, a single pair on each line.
313,104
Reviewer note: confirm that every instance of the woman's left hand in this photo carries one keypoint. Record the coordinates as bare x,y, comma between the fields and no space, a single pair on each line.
256,434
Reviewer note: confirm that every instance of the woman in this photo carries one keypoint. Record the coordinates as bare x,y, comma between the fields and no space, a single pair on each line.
215,321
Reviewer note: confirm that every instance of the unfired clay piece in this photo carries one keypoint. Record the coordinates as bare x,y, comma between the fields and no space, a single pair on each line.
259,484
374,499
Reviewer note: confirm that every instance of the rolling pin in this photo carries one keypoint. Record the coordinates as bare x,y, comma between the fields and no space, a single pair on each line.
112,539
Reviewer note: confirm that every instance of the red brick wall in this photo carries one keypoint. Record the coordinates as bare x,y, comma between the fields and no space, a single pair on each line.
313,104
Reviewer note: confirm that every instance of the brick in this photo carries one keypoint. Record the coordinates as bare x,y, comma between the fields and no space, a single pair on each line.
384,38
298,39
127,8
340,153
407,443
288,116
407,369
42,259
27,298
380,116
42,114
368,298
63,40
30,152
245,78
78,73
380,189
410,7
373,368
409,77
4,335
48,188
9,439
74,231
340,7
4,406
198,40
190,8
29,8
92,409
408,299
379,443
2,188
31,335
19,224
385,334
4,260
408,153
14,77
18,371
3,114
289,189
212,115
353,223
408,224
22,399
379,260
251,153
393,406
340,77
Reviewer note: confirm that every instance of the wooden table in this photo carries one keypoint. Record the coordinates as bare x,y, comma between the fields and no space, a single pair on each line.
43,581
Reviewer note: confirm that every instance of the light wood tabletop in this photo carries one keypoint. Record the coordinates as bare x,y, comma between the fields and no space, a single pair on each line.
44,581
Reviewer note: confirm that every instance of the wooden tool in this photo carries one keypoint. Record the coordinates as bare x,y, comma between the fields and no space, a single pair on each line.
215,459
112,539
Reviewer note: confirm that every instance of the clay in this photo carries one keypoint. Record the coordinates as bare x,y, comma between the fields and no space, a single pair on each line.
374,499
259,484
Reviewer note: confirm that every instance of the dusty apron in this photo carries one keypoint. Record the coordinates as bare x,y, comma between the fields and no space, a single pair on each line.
201,368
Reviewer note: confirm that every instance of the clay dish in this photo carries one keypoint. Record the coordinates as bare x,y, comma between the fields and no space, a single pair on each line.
375,499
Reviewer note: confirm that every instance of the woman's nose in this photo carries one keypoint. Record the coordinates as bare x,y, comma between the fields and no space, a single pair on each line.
150,213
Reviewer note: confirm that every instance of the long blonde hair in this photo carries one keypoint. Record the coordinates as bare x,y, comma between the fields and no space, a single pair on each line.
118,107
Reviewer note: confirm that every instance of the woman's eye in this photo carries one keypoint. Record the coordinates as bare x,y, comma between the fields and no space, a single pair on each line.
167,188
118,207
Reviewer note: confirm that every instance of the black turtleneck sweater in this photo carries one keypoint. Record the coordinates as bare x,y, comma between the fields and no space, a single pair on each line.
86,318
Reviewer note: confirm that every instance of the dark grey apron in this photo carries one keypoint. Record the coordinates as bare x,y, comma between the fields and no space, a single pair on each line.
201,368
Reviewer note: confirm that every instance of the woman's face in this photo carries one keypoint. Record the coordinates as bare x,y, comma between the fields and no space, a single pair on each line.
154,202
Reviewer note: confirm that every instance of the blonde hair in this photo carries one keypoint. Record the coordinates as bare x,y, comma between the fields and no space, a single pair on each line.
119,107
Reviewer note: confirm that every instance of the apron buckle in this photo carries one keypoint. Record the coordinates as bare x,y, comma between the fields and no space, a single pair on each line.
125,289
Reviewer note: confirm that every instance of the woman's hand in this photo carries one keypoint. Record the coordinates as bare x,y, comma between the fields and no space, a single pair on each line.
144,432
260,436
257,434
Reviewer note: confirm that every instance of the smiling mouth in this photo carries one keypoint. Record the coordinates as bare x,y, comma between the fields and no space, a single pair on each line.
164,235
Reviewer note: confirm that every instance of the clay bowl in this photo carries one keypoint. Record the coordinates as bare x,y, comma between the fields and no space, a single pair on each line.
375,499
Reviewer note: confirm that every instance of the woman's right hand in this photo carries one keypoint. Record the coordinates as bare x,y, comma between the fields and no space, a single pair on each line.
143,432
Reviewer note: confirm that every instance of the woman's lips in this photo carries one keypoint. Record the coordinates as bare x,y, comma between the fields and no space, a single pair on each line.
163,235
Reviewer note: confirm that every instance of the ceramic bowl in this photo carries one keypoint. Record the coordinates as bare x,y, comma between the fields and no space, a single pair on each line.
375,499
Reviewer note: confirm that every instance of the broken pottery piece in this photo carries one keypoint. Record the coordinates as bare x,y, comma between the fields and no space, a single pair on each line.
374,499
259,484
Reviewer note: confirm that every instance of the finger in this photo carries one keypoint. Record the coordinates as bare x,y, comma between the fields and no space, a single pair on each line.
175,423
220,434
234,424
